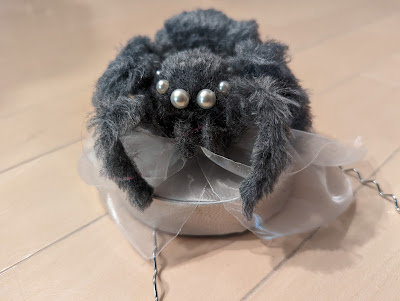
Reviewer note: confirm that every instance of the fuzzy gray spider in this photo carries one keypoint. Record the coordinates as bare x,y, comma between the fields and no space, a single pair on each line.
207,75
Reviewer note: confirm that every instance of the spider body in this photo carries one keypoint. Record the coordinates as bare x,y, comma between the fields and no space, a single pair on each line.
197,53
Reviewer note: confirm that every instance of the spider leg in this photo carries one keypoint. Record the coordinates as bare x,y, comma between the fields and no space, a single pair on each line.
277,102
116,111
258,60
109,126
269,157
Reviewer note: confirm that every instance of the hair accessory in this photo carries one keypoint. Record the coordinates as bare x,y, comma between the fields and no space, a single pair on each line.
252,162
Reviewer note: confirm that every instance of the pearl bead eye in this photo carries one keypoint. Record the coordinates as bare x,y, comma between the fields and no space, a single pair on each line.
180,98
224,87
206,99
158,72
162,86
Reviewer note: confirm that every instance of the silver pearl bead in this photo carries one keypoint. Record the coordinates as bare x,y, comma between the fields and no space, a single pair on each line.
162,86
206,99
158,72
180,98
224,87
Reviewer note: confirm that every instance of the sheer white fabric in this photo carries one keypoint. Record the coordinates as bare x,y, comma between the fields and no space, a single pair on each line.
201,196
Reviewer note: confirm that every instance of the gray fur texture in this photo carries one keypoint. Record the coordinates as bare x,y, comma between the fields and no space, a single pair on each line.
194,51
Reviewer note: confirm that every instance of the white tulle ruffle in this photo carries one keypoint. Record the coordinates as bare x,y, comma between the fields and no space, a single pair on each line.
201,196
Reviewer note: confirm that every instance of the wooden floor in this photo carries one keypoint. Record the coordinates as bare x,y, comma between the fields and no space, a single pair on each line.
58,243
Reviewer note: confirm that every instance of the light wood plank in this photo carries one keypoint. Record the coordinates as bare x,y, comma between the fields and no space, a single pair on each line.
364,107
42,127
95,264
355,258
336,61
275,14
338,21
98,263
388,73
42,201
220,268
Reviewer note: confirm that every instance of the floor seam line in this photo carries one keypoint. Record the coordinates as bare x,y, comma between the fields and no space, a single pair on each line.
254,290
53,243
39,156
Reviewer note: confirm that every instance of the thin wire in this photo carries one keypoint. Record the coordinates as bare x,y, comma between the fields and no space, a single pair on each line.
155,266
366,182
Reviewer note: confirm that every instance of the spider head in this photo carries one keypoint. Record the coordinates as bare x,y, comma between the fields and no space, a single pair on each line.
192,101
